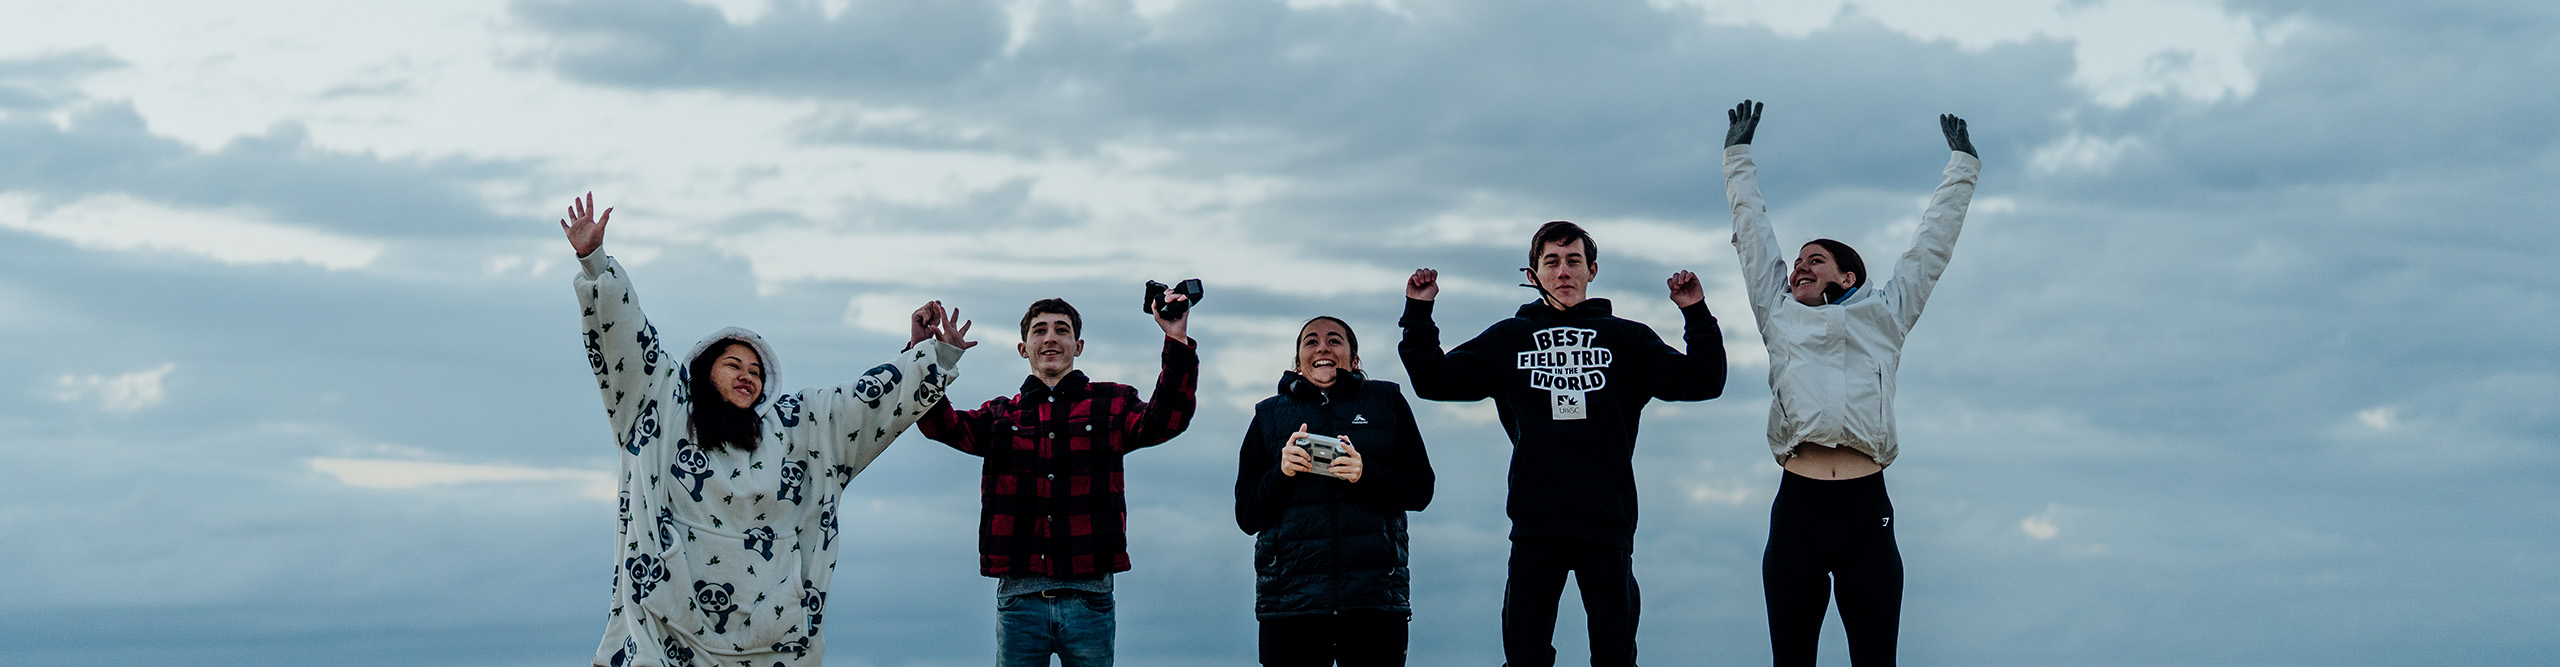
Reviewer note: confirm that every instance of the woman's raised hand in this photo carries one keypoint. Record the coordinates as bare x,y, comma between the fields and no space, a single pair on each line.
584,227
955,336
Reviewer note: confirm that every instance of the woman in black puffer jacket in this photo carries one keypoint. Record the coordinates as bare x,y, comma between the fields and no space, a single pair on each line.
1329,556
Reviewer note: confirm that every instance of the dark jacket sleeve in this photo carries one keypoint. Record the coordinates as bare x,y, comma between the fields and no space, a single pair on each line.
1259,484
1167,412
964,430
1398,477
1698,375
1458,375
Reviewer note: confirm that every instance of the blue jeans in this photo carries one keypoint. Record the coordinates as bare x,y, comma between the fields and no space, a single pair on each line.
1077,627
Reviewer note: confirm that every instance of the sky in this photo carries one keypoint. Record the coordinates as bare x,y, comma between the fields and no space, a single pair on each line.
2244,356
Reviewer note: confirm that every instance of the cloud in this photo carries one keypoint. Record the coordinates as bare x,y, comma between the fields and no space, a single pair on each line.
129,392
2040,525
46,81
100,149
2379,419
2124,50
1342,96
2080,153
119,222
399,474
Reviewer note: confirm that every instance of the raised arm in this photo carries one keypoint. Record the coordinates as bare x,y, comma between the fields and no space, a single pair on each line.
1917,272
964,430
1167,412
622,346
1436,375
1699,374
853,422
1764,264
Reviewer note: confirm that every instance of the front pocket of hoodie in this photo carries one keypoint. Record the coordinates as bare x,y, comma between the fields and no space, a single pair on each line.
729,620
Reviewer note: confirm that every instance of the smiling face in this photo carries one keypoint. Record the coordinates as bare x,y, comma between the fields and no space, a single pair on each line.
1324,352
1050,343
1565,269
739,375
1816,272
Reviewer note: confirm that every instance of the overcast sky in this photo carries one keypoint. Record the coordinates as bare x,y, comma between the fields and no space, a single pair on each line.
2246,355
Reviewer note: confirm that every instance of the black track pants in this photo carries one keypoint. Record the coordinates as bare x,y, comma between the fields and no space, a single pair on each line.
1363,638
1827,536
1608,581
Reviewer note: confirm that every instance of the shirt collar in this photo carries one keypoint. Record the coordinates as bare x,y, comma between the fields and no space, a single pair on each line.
1072,384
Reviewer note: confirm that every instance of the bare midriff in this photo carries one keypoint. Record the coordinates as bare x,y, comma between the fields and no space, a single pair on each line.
1827,462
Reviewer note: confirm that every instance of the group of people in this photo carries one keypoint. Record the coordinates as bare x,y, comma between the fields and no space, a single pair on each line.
729,492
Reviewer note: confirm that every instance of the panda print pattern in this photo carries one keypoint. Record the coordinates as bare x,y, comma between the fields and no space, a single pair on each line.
929,389
678,655
876,384
648,349
744,548
691,462
645,573
630,650
714,601
794,474
788,409
644,429
827,523
595,351
814,602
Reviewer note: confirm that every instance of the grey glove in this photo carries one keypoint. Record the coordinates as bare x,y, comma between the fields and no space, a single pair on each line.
1957,139
1743,120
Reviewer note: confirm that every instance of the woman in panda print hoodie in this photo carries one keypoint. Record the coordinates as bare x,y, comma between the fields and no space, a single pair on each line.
726,541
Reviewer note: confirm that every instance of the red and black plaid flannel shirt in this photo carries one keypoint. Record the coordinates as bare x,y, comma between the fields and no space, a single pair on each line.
1051,492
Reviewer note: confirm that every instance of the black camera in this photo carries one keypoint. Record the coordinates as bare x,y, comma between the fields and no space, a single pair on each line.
1189,289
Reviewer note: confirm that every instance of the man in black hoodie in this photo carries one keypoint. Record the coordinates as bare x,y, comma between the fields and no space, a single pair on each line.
1570,382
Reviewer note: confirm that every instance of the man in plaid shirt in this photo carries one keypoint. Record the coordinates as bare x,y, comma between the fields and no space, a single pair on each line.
1052,524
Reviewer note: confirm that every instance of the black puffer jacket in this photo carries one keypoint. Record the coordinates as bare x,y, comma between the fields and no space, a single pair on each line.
1325,545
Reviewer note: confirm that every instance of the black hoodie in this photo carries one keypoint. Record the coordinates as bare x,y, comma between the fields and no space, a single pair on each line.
1570,386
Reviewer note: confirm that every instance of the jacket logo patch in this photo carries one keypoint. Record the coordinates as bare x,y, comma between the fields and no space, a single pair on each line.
1567,365
1358,420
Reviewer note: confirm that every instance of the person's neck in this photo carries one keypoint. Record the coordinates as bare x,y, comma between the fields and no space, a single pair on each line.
1052,380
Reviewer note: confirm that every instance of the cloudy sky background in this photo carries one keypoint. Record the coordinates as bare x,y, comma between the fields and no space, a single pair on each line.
2245,357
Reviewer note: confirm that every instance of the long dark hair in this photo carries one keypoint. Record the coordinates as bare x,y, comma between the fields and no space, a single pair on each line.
716,424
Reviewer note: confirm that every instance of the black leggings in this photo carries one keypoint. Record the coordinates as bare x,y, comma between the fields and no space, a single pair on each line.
1825,536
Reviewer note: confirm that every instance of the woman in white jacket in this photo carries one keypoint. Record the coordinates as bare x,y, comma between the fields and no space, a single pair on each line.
1834,343
727,537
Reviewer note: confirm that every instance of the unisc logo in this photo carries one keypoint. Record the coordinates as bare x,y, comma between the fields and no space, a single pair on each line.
1567,365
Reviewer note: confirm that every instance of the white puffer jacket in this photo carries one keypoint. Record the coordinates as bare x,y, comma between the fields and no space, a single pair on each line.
1831,367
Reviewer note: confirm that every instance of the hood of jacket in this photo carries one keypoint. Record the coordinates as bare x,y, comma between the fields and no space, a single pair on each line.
1540,311
764,354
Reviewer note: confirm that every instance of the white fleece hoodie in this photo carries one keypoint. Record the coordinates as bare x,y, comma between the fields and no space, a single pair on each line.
724,557
1831,367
